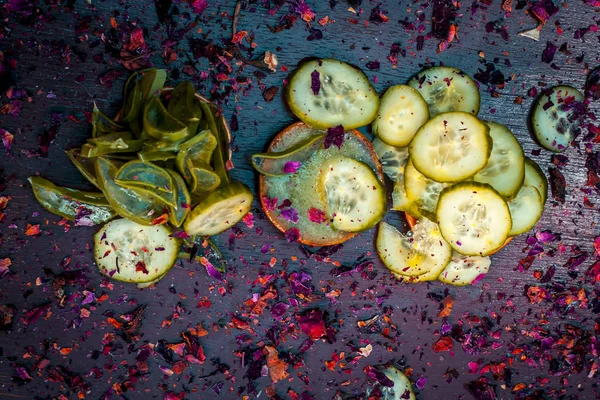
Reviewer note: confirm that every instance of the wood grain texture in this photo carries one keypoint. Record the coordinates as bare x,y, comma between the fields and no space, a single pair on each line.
43,72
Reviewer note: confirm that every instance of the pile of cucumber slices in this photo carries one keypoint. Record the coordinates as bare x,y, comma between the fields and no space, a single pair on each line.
160,165
464,183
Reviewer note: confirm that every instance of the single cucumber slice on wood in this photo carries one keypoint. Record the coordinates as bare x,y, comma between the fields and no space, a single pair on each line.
451,147
534,177
356,199
220,210
473,218
131,252
447,89
328,93
463,270
505,170
401,113
525,210
556,117
420,252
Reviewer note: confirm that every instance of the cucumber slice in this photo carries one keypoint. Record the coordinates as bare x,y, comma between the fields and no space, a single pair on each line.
220,210
525,210
420,252
463,270
451,147
356,199
328,93
556,117
400,200
402,389
473,218
303,189
393,159
534,177
131,252
401,113
447,89
421,192
505,169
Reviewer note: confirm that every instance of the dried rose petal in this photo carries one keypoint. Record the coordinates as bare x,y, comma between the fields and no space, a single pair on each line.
290,214
312,324
558,185
291,167
315,82
443,344
210,269
334,136
548,53
317,216
270,203
292,235
199,6
4,267
7,139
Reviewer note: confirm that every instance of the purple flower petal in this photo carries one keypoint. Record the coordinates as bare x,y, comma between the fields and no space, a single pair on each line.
548,53
210,269
291,167
545,236
279,309
334,136
420,383
290,214
292,235
315,82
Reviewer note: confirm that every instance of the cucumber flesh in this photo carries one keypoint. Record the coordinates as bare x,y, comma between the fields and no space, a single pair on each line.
534,177
393,159
402,111
473,218
556,117
505,169
328,93
421,252
400,200
525,210
463,270
451,147
219,211
447,89
356,199
131,252
421,192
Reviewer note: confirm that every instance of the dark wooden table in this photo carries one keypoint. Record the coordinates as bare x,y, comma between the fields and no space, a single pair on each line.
502,339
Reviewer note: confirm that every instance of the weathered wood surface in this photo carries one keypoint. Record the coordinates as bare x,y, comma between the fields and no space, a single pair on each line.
500,296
